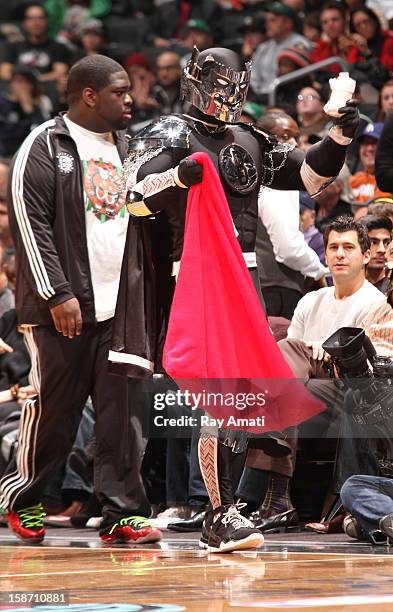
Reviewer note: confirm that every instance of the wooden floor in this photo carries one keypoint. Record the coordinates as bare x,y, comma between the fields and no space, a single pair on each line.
300,571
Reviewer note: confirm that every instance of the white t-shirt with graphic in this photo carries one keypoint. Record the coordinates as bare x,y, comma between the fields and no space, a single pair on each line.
105,211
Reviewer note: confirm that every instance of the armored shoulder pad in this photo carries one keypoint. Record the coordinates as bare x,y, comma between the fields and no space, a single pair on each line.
167,132
262,134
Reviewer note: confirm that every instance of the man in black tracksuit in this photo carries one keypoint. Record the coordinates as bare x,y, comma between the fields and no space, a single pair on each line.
67,216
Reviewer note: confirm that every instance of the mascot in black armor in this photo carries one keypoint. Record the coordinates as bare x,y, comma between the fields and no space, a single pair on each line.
159,173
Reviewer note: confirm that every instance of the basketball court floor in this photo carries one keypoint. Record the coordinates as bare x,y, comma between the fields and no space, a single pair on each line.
72,571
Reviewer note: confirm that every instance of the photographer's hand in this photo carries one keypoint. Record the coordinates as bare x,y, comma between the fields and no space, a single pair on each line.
317,351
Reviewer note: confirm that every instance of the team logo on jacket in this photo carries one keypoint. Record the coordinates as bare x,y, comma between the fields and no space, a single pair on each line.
104,189
65,162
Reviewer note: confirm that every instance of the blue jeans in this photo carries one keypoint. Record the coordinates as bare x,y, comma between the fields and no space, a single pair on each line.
184,482
368,499
72,480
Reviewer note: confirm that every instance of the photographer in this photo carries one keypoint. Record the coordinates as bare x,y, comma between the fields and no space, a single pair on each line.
364,461
350,302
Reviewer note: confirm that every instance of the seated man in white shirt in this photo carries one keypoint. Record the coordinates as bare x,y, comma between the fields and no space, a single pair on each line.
350,302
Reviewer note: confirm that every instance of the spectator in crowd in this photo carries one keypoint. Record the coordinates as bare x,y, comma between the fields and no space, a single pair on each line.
372,40
335,41
167,20
142,79
384,156
280,29
254,34
21,109
363,183
369,499
186,495
69,14
60,97
349,302
14,357
331,204
70,191
288,60
379,231
252,112
38,51
196,33
312,27
311,234
166,91
312,119
284,259
385,100
92,39
359,210
381,206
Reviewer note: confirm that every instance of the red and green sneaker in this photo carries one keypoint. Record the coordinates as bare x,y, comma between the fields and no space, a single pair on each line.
28,523
133,529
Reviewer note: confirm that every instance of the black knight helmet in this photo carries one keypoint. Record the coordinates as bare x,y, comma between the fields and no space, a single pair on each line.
214,82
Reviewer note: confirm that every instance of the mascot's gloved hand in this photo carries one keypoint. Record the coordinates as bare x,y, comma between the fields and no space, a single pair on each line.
349,118
189,172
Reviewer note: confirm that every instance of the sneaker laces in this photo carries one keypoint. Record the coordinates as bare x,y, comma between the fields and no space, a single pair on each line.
137,522
32,517
233,517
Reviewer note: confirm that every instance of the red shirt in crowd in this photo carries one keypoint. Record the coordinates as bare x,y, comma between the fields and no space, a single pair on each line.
326,48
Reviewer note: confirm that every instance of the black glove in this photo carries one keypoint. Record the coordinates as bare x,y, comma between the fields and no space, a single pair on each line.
190,172
349,118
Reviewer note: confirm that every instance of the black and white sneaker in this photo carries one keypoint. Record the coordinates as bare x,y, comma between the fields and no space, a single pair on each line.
225,530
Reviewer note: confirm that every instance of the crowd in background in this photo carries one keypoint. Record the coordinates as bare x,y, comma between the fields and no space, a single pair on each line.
153,40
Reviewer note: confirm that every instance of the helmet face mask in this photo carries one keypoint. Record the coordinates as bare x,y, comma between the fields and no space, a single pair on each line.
214,88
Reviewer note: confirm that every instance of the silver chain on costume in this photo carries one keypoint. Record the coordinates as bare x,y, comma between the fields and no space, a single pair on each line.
135,159
269,170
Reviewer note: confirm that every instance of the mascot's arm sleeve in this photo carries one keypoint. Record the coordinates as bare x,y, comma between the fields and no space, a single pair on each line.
310,172
158,185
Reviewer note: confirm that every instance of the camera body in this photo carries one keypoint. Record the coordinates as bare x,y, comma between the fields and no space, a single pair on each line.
367,379
369,376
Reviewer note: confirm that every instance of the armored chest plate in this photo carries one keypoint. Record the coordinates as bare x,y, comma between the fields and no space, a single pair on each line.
238,168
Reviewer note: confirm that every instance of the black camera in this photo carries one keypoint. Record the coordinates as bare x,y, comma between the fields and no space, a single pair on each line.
360,369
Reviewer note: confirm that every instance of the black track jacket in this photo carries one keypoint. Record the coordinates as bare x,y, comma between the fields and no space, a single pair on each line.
47,222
